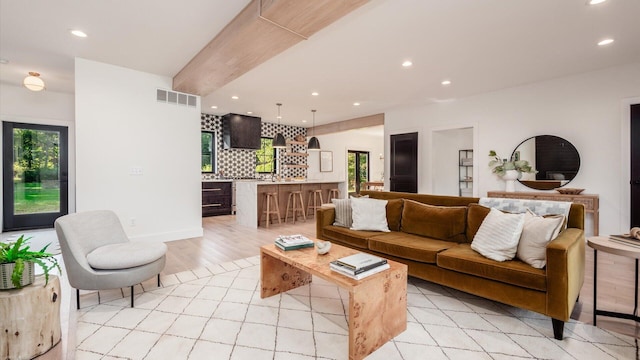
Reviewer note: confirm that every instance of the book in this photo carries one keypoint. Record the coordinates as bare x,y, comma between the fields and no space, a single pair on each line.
360,276
285,246
294,239
353,271
361,260
626,240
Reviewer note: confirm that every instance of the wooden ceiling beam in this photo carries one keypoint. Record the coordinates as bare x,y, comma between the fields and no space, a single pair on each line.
262,30
351,124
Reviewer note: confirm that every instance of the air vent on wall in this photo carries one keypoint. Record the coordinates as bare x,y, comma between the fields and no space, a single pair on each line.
173,97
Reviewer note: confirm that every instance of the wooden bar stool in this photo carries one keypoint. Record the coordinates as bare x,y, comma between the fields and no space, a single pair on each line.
314,201
294,202
270,199
334,194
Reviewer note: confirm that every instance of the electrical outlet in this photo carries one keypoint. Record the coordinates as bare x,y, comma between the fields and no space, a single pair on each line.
135,170
132,221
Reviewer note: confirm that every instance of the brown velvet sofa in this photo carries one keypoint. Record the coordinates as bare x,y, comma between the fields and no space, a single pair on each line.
437,249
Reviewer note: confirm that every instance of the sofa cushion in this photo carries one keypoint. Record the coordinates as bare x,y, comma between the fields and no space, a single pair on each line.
463,259
498,235
355,238
475,216
438,222
394,213
537,232
408,246
369,214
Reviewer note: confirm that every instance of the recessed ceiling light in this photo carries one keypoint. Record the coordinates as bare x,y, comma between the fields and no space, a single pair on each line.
407,63
79,33
595,2
249,112
304,121
214,107
605,42
356,104
315,93
235,97
4,61
446,82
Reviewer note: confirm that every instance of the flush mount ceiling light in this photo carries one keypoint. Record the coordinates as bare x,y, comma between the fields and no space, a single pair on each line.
605,42
407,63
33,82
79,33
235,97
595,2
249,112
314,93
446,82
278,141
356,104
214,107
314,144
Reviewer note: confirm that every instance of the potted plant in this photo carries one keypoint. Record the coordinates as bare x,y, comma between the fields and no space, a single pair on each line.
510,170
17,262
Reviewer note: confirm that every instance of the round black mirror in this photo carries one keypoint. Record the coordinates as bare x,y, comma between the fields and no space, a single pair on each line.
555,159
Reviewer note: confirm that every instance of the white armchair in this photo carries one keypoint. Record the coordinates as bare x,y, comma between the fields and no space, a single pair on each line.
98,254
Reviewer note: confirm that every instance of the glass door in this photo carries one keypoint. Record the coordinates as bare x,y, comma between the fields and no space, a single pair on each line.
357,170
35,175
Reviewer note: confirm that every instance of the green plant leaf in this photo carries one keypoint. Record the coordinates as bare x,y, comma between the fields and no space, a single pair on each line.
16,275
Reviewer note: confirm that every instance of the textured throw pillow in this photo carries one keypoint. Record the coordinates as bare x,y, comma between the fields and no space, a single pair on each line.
498,235
343,216
369,214
538,207
537,232
343,212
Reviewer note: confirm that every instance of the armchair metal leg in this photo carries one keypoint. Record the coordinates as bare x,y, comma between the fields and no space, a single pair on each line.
158,280
132,296
77,299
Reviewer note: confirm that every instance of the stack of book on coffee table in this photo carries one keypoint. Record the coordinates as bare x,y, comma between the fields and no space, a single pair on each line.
293,242
359,265
625,239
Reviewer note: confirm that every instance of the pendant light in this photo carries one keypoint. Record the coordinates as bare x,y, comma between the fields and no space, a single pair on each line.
314,144
278,141
33,82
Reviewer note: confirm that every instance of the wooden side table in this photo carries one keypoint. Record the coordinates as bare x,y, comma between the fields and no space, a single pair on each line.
613,247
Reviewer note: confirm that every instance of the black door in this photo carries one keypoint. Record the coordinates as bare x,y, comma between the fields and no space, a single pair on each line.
404,163
635,165
35,175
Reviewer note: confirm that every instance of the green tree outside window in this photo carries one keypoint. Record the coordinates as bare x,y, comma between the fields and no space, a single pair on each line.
266,156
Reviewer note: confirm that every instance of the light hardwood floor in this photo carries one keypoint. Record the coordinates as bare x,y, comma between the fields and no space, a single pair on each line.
223,241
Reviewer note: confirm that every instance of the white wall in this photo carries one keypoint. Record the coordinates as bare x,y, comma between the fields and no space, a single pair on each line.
586,109
339,143
120,126
446,172
17,104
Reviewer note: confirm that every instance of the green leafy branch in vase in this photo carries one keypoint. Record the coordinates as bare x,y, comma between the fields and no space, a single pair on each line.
500,166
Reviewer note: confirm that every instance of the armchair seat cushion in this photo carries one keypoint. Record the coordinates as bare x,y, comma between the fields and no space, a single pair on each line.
125,255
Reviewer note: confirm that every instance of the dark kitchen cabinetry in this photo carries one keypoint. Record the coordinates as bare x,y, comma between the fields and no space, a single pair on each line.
241,131
216,198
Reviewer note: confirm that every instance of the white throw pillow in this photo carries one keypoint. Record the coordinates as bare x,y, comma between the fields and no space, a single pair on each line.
369,214
498,235
343,216
537,232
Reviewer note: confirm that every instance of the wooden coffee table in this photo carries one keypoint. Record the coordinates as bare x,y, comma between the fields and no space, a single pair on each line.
377,303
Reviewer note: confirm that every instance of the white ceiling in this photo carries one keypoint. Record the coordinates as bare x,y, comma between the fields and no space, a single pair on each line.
480,45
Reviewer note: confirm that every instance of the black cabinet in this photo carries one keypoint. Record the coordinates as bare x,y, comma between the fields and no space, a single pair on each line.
241,131
216,198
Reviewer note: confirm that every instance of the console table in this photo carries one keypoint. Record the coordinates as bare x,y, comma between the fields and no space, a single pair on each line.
590,201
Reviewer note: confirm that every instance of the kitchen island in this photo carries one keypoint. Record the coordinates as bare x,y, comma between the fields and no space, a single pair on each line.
249,197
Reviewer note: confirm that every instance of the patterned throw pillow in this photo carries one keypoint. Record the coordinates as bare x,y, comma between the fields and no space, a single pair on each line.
538,207
343,212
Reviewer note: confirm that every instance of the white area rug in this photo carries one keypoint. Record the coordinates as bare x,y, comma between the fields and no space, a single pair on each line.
216,313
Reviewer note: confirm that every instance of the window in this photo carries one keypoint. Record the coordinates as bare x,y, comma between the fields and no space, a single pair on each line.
266,156
208,151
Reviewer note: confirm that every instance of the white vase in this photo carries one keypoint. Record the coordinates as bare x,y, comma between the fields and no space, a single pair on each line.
510,177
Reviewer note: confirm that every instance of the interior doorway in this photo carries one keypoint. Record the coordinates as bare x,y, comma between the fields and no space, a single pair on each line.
634,182
35,175
452,172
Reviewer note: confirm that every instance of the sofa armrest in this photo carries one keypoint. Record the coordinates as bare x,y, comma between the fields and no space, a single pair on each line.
565,272
325,215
